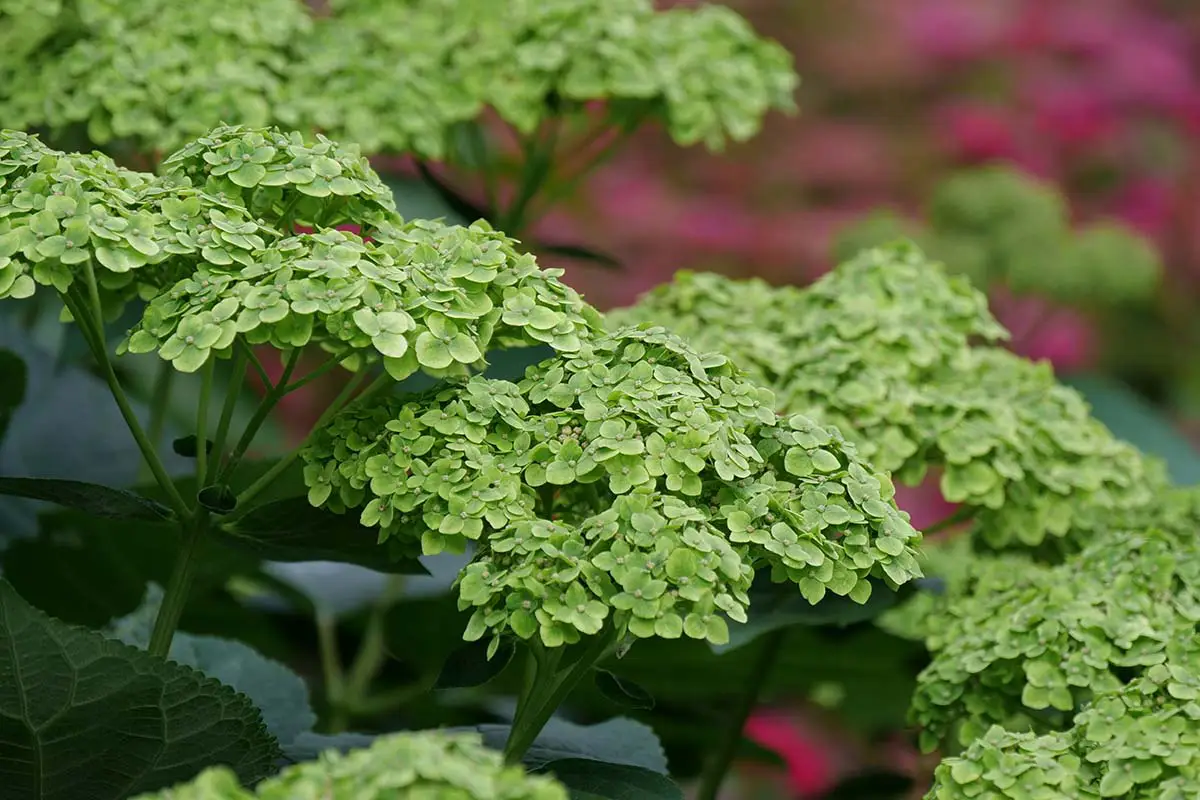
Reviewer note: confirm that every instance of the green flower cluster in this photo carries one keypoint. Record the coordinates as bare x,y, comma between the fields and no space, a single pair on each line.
284,180
61,213
399,76
419,296
636,480
427,764
1029,648
1141,742
154,72
997,225
883,348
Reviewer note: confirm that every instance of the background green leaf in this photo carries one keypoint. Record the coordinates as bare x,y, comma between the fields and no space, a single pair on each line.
12,387
82,715
592,780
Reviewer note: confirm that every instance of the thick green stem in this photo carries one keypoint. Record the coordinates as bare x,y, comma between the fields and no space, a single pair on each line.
206,382
93,329
549,692
349,693
160,398
722,758
178,587
281,466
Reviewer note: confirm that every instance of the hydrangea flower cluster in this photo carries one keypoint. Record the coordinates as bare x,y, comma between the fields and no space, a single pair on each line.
998,225
430,64
1036,645
1141,742
883,348
283,180
636,480
425,764
419,296
155,72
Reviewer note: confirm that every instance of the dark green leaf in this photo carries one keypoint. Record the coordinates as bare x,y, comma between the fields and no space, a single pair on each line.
468,666
776,606
461,206
279,693
217,499
623,692
873,785
90,498
593,780
615,741
1138,422
186,446
292,530
13,376
579,253
82,715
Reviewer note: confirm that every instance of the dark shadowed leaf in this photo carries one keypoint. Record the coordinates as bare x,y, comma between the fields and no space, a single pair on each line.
82,715
292,530
90,498
616,741
775,606
307,746
593,780
186,446
623,692
13,377
579,252
469,666
873,785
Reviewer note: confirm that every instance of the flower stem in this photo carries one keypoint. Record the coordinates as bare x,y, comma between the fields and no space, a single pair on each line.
178,587
274,394
722,758
160,398
271,475
233,391
206,382
547,694
539,158
91,325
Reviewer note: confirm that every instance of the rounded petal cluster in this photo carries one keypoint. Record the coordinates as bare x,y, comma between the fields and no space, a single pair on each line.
1032,647
635,480
157,72
884,348
431,65
1141,742
283,180
60,212
418,296
423,764
1025,452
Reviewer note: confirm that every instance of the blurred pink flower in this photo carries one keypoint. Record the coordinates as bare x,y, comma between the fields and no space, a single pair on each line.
977,132
1073,114
1146,204
952,30
1066,340
809,766
840,155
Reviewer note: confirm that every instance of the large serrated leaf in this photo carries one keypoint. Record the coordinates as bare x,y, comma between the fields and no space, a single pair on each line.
84,716
292,530
280,694
594,780
90,498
